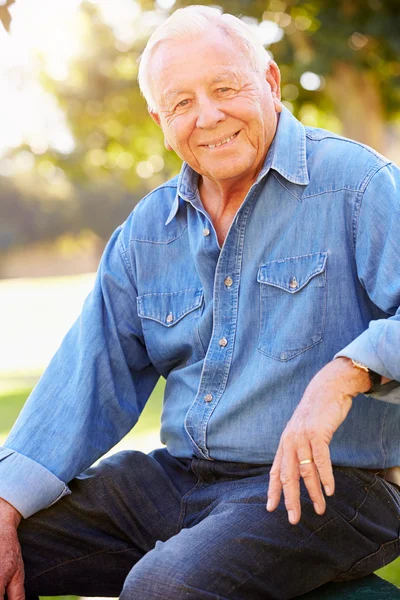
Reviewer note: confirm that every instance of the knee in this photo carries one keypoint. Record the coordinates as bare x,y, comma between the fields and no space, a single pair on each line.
158,582
154,587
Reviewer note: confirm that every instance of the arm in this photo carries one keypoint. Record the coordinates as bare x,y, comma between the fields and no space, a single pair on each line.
11,565
90,396
377,252
328,398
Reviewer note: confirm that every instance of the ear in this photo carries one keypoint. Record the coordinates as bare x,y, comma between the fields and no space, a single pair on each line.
273,77
156,119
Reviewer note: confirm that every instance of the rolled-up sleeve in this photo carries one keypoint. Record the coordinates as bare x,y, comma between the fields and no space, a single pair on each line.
377,251
19,483
90,395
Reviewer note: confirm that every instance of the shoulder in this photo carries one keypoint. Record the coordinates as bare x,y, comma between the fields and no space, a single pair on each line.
338,163
147,222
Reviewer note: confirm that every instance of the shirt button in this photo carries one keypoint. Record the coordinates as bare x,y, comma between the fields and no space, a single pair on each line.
228,281
170,318
223,342
293,283
206,232
208,397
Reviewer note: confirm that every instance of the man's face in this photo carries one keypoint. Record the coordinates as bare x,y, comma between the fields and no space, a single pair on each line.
215,111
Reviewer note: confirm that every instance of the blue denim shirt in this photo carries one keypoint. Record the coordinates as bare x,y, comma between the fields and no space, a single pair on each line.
309,270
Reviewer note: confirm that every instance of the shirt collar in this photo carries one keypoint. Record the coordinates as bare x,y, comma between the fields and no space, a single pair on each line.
287,155
186,189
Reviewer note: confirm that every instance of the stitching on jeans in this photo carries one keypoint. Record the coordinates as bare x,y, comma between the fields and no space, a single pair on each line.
76,560
256,572
183,504
359,562
363,501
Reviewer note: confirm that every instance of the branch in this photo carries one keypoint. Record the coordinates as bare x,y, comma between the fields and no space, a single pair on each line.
5,16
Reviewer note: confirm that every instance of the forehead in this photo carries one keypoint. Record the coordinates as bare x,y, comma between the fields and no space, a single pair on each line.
177,64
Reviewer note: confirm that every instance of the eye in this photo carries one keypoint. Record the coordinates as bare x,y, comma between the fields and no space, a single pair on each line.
182,104
224,90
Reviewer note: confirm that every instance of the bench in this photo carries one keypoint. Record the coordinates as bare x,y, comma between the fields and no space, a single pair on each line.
371,587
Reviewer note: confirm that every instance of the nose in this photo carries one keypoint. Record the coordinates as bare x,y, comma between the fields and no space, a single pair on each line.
209,114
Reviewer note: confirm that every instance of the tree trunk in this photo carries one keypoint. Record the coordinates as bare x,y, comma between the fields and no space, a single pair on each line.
357,99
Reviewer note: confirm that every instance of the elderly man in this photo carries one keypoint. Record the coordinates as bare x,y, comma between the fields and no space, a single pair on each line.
263,284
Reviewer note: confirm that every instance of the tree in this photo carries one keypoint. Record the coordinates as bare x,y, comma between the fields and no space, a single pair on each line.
354,46
351,47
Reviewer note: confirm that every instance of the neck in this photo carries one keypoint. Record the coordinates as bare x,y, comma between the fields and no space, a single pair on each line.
223,197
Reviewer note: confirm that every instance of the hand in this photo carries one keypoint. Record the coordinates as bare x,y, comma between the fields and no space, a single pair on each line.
324,406
11,565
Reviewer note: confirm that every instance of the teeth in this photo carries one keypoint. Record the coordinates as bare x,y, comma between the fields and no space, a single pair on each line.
223,142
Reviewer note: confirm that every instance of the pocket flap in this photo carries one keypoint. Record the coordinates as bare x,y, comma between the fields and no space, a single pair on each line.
169,308
292,274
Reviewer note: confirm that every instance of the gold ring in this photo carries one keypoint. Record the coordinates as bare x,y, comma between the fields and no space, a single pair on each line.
307,461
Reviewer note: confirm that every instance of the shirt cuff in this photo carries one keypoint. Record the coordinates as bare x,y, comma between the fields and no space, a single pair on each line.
26,485
362,350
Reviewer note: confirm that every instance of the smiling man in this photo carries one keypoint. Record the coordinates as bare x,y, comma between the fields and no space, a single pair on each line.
262,284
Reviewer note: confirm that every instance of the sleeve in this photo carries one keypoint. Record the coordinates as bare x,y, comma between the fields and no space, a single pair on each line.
90,395
377,248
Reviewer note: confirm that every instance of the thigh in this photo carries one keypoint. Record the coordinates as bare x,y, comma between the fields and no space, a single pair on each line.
86,543
235,549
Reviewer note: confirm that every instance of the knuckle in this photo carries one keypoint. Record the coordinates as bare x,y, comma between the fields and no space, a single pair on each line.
285,478
287,437
320,462
306,471
290,503
274,472
313,432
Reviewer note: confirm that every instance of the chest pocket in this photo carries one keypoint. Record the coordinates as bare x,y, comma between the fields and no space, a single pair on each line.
170,326
292,305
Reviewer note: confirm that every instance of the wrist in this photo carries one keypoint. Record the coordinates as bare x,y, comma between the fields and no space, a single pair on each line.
375,378
8,513
356,377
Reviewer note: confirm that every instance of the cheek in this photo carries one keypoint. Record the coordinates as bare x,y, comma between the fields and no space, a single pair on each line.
180,132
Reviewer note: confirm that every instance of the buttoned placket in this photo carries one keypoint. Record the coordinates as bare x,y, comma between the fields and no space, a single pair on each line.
218,360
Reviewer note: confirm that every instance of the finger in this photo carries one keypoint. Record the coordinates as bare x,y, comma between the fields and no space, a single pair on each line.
15,589
275,486
323,464
290,480
309,474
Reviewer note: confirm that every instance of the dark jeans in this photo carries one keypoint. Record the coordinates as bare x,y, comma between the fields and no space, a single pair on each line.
154,527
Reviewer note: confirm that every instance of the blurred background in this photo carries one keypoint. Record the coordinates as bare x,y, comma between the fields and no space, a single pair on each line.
78,151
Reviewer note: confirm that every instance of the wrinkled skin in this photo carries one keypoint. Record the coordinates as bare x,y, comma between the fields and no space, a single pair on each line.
11,565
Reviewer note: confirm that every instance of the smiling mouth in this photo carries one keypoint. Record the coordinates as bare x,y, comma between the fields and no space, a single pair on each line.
223,142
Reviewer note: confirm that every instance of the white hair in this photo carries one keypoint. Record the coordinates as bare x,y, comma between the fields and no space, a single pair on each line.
191,22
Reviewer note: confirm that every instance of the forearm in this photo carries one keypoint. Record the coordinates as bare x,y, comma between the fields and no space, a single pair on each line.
9,514
89,397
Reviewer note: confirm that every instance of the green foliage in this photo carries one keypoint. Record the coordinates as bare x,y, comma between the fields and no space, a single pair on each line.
108,116
119,154
10,407
391,572
319,36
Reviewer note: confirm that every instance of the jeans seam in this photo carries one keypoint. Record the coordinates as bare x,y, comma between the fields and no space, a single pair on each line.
182,512
260,567
78,558
363,501
358,562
